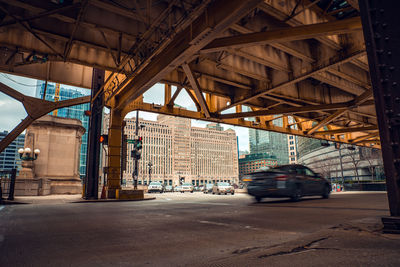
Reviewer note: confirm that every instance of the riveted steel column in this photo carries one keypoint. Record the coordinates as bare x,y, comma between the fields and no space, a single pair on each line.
381,33
167,94
93,150
114,153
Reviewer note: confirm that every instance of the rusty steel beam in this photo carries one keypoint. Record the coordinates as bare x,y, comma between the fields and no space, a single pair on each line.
217,17
197,90
194,99
347,130
172,100
364,137
286,35
167,93
289,110
326,121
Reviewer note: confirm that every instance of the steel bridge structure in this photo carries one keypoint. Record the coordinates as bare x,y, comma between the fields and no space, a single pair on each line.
326,68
